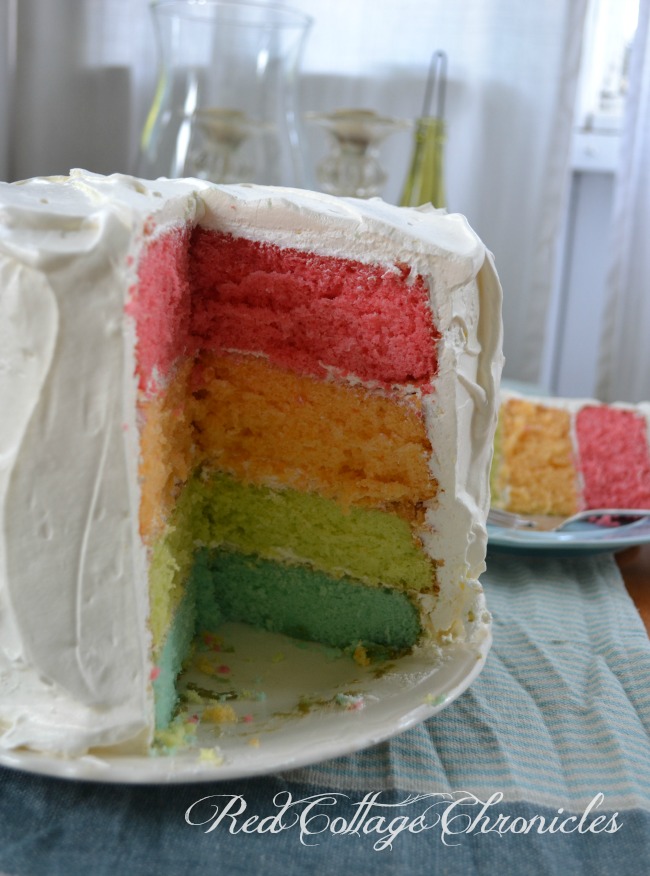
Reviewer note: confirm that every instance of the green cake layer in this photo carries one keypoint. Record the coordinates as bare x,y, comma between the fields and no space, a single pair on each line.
299,529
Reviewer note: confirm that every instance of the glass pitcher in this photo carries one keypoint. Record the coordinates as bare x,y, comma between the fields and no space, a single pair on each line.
225,102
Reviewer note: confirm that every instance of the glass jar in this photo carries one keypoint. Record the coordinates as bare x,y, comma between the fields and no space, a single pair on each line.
225,102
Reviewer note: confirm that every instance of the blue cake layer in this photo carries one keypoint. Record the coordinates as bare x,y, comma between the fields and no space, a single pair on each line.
290,599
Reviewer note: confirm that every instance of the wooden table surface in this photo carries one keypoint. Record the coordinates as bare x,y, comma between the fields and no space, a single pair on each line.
635,569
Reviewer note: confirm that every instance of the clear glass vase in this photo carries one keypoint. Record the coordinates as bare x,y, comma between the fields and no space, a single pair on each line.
225,107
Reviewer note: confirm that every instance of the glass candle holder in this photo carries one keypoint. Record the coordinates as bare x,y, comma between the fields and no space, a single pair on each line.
225,106
352,167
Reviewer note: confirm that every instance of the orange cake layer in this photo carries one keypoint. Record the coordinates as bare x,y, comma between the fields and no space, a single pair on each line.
536,459
265,425
166,451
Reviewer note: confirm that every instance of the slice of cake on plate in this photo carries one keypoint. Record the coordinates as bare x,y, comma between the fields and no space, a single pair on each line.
561,456
230,403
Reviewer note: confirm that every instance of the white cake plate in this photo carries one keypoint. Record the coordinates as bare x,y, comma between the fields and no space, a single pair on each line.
295,704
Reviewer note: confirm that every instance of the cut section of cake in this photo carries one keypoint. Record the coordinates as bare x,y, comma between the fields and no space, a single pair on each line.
231,404
562,456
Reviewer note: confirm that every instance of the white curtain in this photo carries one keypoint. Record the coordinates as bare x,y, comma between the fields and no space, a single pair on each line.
84,73
624,373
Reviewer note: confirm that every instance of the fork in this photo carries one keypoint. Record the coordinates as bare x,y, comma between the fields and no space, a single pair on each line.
545,523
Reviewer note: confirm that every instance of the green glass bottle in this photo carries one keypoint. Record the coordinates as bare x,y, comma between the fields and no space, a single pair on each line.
425,181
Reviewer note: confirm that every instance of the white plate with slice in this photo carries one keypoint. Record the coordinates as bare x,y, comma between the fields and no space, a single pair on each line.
291,704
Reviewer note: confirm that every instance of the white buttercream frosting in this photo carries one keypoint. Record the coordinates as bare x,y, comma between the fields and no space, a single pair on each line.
74,665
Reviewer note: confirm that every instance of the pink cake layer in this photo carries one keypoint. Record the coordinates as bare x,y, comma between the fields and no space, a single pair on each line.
160,305
614,457
307,313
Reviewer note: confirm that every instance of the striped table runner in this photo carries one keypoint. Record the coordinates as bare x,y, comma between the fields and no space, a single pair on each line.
561,710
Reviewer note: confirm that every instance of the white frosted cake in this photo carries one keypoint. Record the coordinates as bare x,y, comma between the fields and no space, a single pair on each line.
230,403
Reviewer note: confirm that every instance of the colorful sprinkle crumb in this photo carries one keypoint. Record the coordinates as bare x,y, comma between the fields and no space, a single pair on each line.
350,702
204,665
211,755
220,714
360,656
180,734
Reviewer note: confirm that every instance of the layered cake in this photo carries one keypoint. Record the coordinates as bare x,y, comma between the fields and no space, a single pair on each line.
561,456
230,404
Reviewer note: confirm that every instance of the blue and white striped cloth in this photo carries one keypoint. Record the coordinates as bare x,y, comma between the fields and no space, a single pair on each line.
555,732
561,710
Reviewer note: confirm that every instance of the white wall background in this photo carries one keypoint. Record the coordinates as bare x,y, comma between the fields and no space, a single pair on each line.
85,73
